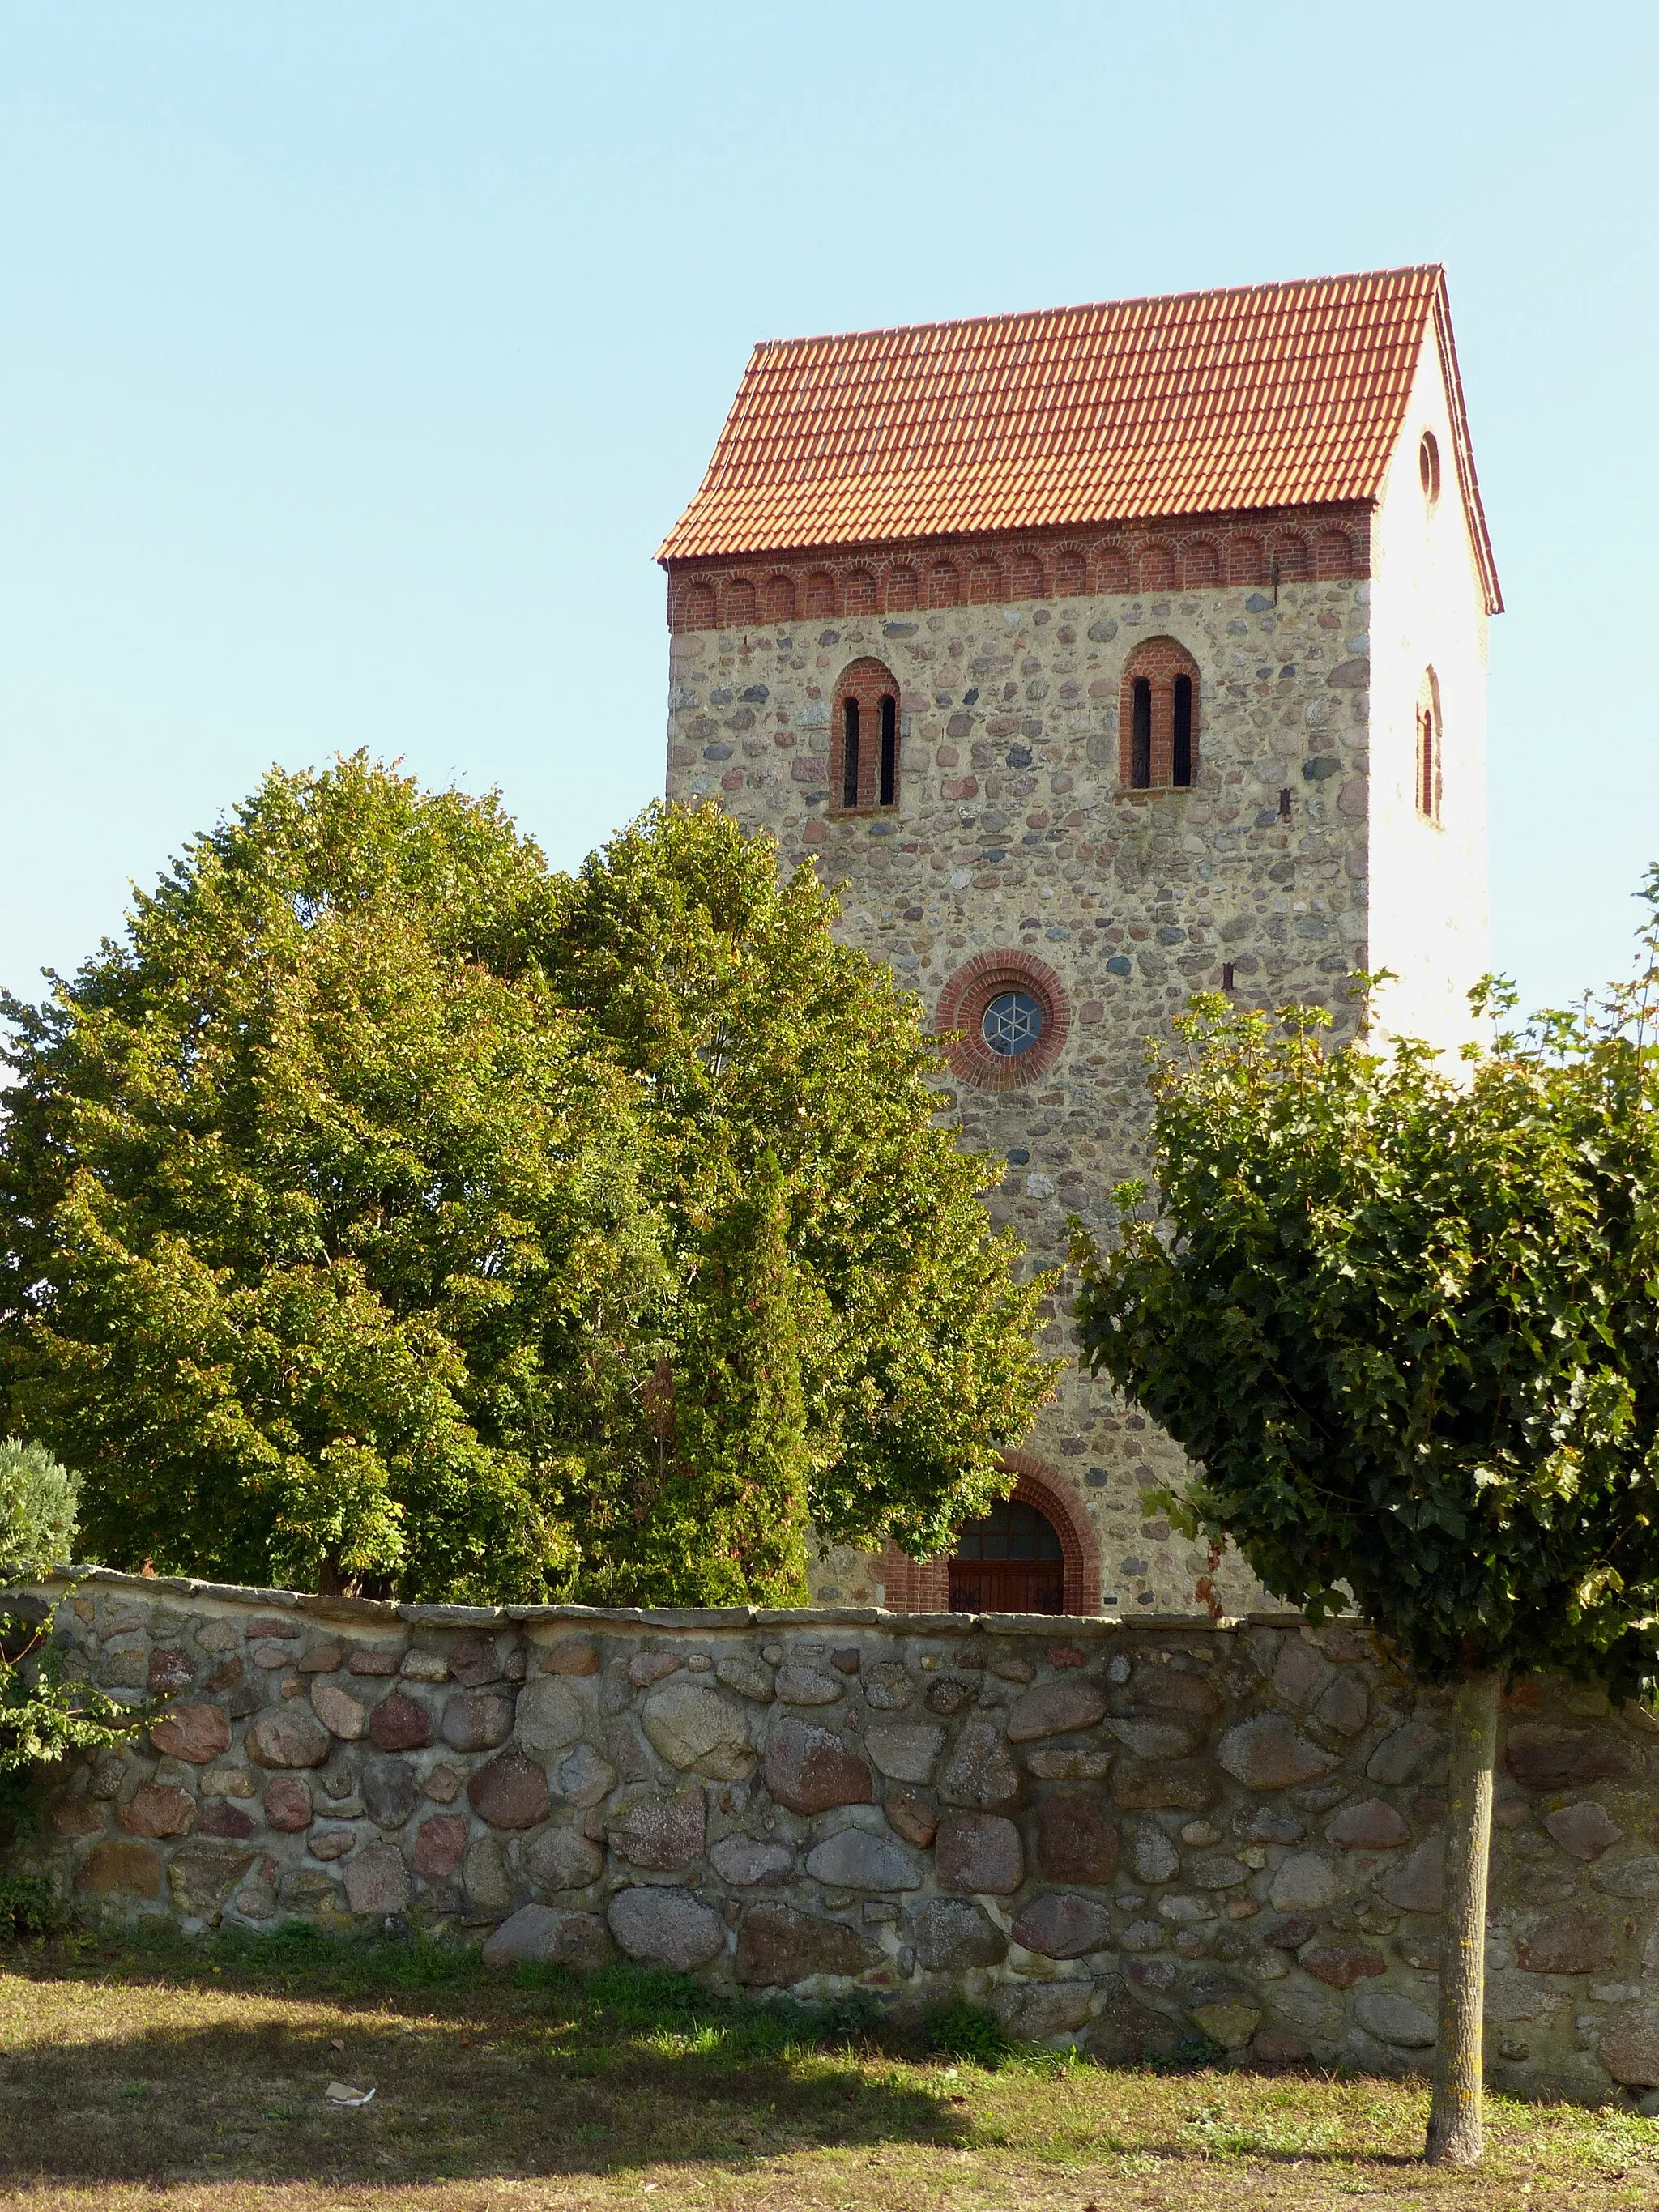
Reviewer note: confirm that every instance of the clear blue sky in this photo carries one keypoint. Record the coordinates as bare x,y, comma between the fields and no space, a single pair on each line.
358,353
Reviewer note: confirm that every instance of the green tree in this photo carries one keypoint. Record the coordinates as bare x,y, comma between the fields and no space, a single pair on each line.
767,1051
355,1231
1407,1326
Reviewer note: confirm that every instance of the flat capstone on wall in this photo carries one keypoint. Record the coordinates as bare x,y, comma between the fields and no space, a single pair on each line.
1118,1835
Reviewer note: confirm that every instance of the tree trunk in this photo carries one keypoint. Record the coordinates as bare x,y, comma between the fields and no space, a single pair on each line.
1455,2113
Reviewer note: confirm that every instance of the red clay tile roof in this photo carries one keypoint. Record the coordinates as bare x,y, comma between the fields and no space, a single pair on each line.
1269,396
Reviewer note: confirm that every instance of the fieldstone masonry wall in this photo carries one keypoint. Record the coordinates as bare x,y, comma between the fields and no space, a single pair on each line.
1013,835
1120,1835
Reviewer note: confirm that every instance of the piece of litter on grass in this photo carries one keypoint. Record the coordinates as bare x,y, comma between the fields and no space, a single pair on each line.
345,2092
335,2043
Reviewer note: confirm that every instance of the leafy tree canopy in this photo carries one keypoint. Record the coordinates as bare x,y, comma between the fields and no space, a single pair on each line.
1407,1322
385,1211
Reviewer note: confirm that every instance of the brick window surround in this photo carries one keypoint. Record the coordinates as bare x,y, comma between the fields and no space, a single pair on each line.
961,1006
874,687
924,1585
1159,662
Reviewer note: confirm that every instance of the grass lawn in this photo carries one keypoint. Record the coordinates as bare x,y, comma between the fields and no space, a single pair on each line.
172,2078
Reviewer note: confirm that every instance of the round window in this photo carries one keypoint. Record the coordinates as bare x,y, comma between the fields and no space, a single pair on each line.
1428,467
1012,1023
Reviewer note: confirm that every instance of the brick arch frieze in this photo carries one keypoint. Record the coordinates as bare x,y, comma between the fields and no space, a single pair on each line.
1188,552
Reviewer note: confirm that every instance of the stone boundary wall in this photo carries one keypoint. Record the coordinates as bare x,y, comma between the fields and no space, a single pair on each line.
1118,1834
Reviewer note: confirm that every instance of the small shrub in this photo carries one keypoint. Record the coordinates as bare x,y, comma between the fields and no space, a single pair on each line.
40,1502
28,1911
966,2031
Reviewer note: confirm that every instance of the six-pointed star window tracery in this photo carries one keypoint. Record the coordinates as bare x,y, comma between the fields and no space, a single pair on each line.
1012,1023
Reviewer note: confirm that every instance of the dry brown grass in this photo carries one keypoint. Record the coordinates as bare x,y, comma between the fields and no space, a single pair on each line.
169,2084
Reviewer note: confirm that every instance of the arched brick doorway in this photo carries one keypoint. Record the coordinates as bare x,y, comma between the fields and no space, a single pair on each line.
1017,1585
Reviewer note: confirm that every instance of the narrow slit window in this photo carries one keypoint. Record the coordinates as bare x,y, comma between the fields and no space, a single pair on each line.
849,753
1182,759
1140,738
1428,765
889,752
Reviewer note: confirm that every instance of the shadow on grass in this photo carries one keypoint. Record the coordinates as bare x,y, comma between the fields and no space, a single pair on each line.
535,2074
475,2073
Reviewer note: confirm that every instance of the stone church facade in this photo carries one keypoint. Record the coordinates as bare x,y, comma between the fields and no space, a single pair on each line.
1104,655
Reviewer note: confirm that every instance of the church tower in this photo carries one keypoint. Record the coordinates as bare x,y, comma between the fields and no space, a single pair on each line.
1106,655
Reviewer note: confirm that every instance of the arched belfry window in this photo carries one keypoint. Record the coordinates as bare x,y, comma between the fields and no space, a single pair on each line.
1430,766
1140,738
849,752
1158,718
865,732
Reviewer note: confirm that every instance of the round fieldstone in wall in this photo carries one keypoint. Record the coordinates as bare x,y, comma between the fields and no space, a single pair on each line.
778,1947
1033,2013
747,1864
952,1934
340,1713
288,1804
129,1869
484,1877
698,1728
550,1717
980,1775
539,1935
1064,1927
904,1751
478,1720
662,1833
509,1791
1394,2020
440,1846
155,1811
198,1733
856,1859
811,1771
1270,1753
665,1928
1077,1837
1057,1709
391,1791
397,1723
560,1859
289,1737
377,1880
979,1854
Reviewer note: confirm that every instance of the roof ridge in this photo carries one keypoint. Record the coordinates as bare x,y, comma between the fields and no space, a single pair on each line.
1093,306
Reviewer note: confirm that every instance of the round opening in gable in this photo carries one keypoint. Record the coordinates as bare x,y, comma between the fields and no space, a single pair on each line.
1428,467
1012,1023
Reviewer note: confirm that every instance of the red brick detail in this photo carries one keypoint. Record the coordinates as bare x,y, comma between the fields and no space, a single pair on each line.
924,1585
1159,660
961,1005
868,681
1247,561
1045,1488
1186,553
1291,557
1200,565
915,1585
1157,566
